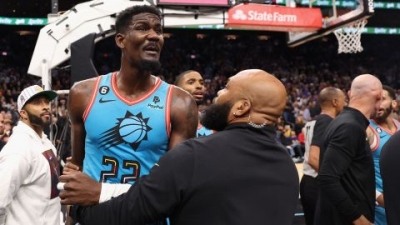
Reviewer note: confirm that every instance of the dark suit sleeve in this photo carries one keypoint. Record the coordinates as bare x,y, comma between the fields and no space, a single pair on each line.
151,198
341,148
390,167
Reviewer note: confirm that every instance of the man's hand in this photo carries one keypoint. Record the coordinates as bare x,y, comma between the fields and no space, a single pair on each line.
70,167
362,221
79,189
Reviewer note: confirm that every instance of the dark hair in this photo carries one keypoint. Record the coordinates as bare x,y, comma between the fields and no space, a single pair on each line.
181,75
390,91
327,94
124,18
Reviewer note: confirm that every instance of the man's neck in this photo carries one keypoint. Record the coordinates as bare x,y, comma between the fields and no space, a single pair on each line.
329,112
134,86
387,124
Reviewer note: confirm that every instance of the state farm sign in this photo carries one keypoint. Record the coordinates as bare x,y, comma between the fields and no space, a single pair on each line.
264,16
269,17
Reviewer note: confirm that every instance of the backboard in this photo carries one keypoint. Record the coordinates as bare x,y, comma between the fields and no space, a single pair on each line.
336,17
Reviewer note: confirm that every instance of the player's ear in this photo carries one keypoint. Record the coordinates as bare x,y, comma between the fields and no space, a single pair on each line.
119,40
394,104
335,102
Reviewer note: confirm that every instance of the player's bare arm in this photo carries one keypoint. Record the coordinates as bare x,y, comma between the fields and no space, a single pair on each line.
79,98
184,117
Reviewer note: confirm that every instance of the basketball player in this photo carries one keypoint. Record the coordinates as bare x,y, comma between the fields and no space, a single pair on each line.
331,100
346,177
379,131
239,175
28,165
124,121
192,82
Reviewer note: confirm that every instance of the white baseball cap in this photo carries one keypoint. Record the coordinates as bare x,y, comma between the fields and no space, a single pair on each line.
31,92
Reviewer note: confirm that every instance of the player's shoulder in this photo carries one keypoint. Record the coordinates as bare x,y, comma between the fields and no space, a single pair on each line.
180,96
84,86
179,92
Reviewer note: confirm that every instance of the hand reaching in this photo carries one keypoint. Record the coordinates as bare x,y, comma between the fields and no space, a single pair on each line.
79,189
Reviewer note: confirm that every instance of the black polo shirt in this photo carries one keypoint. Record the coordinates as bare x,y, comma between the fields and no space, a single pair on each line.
346,177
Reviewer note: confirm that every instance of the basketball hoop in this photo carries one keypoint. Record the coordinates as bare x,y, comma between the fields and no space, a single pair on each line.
349,37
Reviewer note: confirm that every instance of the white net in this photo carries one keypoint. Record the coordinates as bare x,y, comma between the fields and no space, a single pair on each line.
349,37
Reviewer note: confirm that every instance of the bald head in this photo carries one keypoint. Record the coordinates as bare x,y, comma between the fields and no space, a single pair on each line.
257,94
332,101
364,84
366,94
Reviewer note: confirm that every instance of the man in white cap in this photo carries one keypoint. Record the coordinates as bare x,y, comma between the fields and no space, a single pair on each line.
28,165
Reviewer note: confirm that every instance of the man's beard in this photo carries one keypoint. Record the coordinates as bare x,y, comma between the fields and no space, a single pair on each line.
200,102
386,113
215,117
37,120
148,65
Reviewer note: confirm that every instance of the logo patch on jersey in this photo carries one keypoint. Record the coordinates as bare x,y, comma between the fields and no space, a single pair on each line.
103,90
201,134
379,130
132,130
156,100
106,100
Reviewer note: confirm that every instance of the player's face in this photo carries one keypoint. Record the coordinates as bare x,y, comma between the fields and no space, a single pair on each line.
193,83
386,107
143,41
216,116
229,92
38,111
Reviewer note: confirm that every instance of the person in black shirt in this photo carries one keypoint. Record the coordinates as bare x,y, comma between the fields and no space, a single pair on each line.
346,177
239,175
390,167
332,100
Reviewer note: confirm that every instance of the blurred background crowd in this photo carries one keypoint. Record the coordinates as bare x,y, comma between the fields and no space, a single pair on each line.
304,70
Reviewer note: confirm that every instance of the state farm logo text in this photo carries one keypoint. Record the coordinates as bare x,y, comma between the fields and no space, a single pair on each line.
264,16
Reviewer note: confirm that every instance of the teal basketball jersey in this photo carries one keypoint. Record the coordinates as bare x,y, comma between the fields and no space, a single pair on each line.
124,139
202,131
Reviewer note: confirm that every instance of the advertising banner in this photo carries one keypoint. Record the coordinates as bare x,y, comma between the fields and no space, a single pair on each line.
274,17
